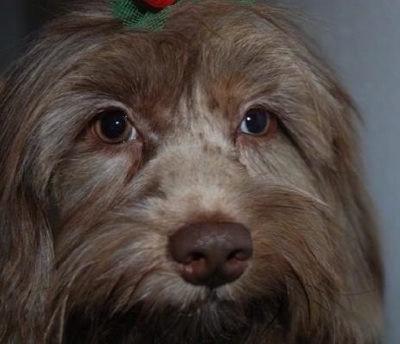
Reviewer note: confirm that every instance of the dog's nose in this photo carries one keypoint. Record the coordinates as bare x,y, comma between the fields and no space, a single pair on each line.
211,254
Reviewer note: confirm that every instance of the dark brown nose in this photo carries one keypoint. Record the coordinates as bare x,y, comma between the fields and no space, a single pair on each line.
211,254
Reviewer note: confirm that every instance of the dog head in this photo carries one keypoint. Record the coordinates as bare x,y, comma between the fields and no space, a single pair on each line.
202,181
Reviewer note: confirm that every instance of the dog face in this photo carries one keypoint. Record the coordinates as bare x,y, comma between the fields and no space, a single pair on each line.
194,185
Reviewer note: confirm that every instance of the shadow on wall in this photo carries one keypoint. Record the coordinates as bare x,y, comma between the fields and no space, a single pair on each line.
19,21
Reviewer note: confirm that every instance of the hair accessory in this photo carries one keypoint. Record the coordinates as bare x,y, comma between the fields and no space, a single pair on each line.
148,14
159,3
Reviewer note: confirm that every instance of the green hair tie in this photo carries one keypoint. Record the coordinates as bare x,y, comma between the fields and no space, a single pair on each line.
148,14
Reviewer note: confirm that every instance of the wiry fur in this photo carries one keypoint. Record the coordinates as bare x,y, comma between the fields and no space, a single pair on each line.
85,225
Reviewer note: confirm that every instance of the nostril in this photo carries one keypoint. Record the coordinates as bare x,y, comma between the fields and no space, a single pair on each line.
196,256
211,254
189,258
239,255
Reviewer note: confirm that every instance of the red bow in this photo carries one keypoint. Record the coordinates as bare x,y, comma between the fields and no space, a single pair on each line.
159,3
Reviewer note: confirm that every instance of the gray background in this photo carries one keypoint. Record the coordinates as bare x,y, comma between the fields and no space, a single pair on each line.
362,40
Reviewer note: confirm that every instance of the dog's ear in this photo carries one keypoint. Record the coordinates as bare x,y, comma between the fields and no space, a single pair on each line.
25,238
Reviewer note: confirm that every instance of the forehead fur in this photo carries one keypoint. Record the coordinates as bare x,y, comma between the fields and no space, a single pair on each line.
216,43
229,54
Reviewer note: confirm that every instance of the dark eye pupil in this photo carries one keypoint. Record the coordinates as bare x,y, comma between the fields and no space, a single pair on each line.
256,120
113,125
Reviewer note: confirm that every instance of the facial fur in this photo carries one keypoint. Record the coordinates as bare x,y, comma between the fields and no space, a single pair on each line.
85,224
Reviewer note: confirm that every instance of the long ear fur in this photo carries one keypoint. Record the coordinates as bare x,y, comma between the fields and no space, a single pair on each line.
2,85
25,244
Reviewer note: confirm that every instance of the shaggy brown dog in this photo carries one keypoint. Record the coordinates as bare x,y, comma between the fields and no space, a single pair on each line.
195,185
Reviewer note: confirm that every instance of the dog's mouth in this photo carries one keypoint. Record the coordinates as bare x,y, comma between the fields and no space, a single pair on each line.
212,320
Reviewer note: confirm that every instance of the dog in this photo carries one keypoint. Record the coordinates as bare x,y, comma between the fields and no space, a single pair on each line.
199,184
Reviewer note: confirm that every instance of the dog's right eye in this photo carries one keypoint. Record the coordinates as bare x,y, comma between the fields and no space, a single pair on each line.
258,122
113,126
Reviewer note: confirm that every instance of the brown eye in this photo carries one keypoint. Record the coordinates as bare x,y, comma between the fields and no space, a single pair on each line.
257,122
112,126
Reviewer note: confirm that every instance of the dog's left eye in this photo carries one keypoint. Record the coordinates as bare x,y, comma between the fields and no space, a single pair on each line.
113,126
257,122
